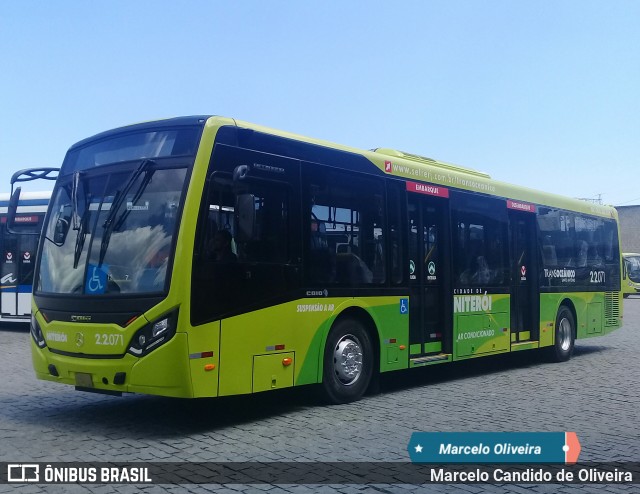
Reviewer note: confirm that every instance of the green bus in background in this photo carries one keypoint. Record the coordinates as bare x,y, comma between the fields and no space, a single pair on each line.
630,274
204,256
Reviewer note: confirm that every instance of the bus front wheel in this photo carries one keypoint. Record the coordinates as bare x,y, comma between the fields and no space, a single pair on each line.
565,333
348,362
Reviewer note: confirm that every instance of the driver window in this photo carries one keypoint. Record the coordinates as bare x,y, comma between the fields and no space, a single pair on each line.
268,242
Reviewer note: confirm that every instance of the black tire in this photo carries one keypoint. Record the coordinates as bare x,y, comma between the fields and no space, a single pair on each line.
565,336
348,362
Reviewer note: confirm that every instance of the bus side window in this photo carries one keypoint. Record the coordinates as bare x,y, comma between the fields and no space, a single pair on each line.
583,248
549,252
322,262
268,240
480,245
394,215
218,216
346,237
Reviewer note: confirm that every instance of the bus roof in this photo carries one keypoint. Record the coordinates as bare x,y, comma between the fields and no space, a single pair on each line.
390,162
415,167
166,122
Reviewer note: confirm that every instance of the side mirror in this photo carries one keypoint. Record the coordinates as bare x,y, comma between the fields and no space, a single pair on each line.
240,172
63,222
246,217
12,209
25,175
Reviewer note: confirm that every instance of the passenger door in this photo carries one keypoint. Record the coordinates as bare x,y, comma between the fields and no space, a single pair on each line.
525,300
10,276
429,272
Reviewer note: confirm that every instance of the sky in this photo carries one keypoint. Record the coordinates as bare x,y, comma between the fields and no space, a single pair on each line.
540,93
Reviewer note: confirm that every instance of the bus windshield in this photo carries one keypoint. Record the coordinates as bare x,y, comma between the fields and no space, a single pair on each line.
633,267
113,215
111,233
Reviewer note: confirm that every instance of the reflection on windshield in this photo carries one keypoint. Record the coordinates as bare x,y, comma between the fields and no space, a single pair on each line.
137,246
147,143
633,268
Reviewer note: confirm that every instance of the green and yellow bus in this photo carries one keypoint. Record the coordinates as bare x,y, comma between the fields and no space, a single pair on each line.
205,256
630,274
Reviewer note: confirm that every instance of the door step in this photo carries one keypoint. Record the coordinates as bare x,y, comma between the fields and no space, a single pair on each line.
430,359
524,345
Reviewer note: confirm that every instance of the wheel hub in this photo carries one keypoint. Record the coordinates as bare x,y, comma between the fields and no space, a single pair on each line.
347,359
564,334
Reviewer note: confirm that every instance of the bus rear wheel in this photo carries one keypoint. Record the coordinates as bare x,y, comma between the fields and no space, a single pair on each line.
565,334
348,362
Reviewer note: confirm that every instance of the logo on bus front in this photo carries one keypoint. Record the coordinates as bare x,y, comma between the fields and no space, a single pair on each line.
80,318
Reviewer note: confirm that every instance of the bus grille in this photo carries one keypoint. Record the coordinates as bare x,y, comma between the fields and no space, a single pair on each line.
611,309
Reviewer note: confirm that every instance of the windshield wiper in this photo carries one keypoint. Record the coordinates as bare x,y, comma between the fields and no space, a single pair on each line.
120,196
75,184
136,197
81,235
78,223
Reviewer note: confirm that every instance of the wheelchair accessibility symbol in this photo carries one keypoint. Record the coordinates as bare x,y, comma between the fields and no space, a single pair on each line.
404,306
96,281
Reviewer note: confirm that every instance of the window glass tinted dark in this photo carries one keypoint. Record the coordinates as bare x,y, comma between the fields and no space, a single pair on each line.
268,241
394,207
557,238
578,250
346,231
245,247
479,241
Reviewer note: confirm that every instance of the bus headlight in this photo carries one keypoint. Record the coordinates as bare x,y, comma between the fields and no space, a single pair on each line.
160,327
36,332
153,335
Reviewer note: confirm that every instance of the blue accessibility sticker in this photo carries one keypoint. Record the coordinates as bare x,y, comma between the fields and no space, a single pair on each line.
96,281
404,306
494,447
